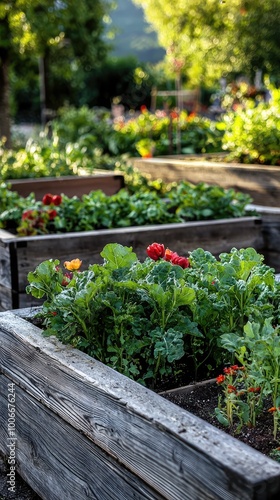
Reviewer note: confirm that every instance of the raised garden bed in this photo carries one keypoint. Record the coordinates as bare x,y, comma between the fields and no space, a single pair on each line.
84,430
109,182
19,255
262,183
270,217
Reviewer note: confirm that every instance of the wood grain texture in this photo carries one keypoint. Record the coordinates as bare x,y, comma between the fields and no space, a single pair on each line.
5,262
58,462
173,452
271,234
6,300
262,183
108,182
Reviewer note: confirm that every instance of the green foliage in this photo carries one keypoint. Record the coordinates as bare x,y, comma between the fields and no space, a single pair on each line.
12,206
146,319
258,349
70,32
53,158
144,206
207,40
86,139
242,400
79,125
251,134
83,140
123,81
197,134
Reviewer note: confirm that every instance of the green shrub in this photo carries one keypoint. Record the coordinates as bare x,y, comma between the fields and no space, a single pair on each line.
252,132
147,205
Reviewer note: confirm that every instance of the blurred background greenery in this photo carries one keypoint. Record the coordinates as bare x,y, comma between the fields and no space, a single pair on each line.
90,69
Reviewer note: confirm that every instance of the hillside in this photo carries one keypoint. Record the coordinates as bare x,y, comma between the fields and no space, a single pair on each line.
135,36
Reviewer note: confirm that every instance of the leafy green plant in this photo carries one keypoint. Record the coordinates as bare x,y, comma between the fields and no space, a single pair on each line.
241,401
148,319
44,157
197,134
124,313
12,206
251,134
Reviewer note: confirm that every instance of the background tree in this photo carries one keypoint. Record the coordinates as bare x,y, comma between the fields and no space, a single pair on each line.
45,29
211,38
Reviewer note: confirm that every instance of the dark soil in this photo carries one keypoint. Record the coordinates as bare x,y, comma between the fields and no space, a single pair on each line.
202,401
22,490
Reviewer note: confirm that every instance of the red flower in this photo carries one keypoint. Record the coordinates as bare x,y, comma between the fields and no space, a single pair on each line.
50,199
254,389
47,199
231,388
52,214
156,251
56,200
231,370
143,108
235,367
220,379
180,261
28,214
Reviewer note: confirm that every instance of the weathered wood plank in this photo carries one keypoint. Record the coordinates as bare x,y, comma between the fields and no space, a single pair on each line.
6,300
175,453
271,233
5,270
109,182
45,458
262,183
4,234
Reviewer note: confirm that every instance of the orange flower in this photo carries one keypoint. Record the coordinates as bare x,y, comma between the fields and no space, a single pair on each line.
73,265
168,254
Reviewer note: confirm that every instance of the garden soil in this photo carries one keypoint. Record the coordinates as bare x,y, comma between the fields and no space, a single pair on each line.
201,401
22,490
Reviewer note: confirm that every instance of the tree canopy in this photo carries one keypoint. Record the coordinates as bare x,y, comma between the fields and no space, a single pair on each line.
41,27
210,38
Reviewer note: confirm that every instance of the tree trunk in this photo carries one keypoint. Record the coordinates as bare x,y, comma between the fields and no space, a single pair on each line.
42,81
5,123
